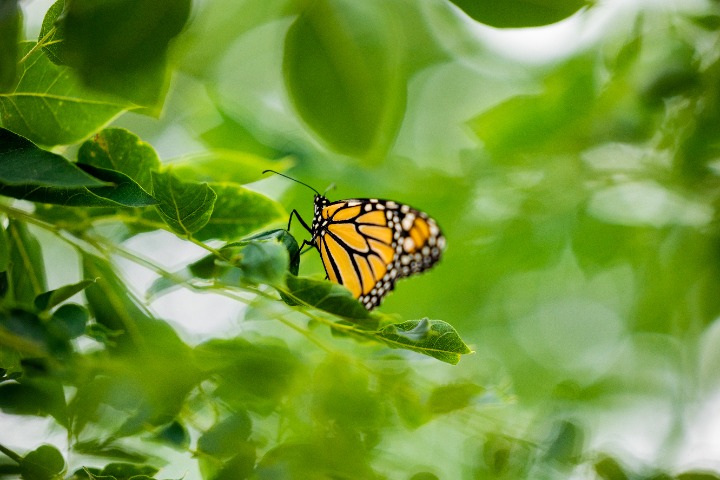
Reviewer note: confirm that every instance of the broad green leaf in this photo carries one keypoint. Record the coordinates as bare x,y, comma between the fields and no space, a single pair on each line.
123,151
327,296
184,206
47,300
454,396
344,72
224,438
32,336
10,28
253,376
430,337
287,240
122,192
71,319
238,212
239,466
121,46
103,449
23,163
125,471
520,13
50,107
34,394
264,262
27,267
226,166
43,463
52,34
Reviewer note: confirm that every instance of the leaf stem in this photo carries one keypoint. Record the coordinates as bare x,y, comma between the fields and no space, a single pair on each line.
9,453
39,44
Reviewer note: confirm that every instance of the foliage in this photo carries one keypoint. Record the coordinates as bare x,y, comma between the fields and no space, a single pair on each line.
578,197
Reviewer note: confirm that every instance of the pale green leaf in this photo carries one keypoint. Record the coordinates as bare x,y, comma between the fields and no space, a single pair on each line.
184,206
226,166
48,300
435,338
50,107
52,33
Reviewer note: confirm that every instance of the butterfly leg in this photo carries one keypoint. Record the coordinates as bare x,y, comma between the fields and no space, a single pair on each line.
302,222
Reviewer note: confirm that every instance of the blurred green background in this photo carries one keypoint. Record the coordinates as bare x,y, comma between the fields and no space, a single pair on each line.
574,167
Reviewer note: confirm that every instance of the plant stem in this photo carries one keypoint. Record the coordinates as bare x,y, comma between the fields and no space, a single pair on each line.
14,456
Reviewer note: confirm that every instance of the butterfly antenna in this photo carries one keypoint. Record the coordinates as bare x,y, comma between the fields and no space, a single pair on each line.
294,180
330,187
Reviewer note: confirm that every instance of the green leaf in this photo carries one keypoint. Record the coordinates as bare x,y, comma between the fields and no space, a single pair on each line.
264,262
122,192
226,166
4,252
435,338
27,267
121,46
49,107
329,297
224,438
174,434
124,471
121,150
344,72
43,463
55,33
10,29
71,319
34,394
23,163
238,212
520,13
448,398
184,206
47,300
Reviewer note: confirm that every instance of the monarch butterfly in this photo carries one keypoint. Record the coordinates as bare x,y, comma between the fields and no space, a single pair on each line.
367,244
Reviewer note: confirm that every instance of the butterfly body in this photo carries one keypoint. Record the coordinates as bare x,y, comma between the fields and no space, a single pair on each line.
367,244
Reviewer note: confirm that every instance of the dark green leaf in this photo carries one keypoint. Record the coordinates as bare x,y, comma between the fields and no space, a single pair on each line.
344,72
123,192
240,466
43,463
4,253
123,151
33,335
27,267
120,47
52,33
10,28
435,338
22,163
328,296
520,13
49,106
184,206
71,319
174,434
264,262
608,468
226,166
124,471
47,300
34,394
566,446
238,212
105,450
224,438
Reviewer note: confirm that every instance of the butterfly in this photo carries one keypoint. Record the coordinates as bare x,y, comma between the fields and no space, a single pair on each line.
368,244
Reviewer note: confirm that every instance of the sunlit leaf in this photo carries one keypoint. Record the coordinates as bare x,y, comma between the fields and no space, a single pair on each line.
238,212
52,33
120,47
123,151
185,206
10,28
344,75
226,166
520,13
48,300
49,107
43,463
448,398
435,338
